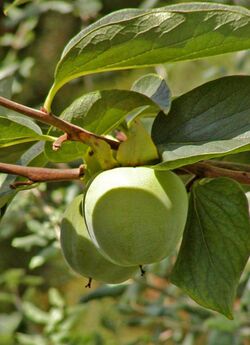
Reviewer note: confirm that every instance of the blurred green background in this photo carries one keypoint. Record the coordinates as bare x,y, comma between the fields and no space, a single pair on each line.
42,302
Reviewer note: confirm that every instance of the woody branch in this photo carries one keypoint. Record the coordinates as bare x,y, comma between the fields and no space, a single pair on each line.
35,174
211,169
73,132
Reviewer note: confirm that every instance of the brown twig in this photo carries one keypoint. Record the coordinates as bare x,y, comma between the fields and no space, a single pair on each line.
201,169
35,174
207,169
230,165
75,133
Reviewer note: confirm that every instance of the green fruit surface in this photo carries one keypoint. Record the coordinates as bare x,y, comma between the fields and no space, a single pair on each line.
136,215
81,254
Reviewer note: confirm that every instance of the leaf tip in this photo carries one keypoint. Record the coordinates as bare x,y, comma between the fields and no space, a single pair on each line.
228,314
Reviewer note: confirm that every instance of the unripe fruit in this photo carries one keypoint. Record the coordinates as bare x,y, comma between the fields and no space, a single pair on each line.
136,215
81,254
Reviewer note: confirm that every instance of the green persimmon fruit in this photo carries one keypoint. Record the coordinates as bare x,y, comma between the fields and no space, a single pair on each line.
136,215
81,254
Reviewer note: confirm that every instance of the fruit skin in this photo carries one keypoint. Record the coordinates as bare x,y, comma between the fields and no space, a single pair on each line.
81,254
136,215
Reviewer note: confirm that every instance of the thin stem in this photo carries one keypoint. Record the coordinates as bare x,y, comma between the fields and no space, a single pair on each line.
74,132
205,169
36,174
230,165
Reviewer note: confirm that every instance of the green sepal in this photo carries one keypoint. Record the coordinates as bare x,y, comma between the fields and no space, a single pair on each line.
98,157
138,149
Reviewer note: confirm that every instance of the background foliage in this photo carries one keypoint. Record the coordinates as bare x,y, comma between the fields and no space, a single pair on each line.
41,300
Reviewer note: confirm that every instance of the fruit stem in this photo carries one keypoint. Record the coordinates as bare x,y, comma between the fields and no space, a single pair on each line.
89,284
142,270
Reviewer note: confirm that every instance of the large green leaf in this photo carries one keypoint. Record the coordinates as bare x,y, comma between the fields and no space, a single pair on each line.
11,154
137,38
33,156
216,244
16,130
17,135
99,112
114,17
210,121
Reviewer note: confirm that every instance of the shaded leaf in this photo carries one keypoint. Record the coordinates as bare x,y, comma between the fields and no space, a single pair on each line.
156,88
32,156
69,151
15,130
22,154
11,154
210,121
137,38
215,246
